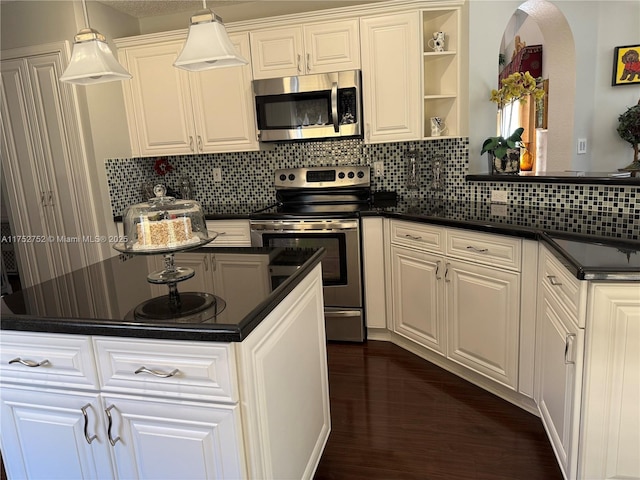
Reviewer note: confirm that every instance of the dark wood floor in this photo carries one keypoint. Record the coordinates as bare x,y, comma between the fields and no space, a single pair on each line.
397,416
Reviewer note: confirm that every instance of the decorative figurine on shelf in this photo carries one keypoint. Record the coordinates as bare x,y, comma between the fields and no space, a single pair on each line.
629,131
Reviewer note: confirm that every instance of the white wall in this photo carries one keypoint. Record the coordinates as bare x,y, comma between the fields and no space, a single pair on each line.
597,27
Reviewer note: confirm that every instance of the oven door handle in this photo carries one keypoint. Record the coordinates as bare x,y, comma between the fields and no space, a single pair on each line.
334,107
308,227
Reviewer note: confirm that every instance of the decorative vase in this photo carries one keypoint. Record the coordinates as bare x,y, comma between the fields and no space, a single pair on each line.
526,160
507,165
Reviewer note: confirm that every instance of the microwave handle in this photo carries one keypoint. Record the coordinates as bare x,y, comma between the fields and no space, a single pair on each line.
334,106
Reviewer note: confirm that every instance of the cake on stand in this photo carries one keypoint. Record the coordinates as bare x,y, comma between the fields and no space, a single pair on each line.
164,226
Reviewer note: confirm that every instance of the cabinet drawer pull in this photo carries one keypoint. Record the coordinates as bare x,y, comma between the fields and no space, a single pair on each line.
446,273
112,440
200,144
553,281
299,63
86,424
413,237
191,143
438,270
29,363
308,62
477,250
156,373
568,340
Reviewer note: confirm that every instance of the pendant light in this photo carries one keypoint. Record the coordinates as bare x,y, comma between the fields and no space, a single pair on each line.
92,60
208,44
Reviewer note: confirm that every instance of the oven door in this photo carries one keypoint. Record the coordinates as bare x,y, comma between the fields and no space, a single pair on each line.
341,263
344,317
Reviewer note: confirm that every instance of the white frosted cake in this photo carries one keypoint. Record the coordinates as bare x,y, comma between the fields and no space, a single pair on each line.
169,233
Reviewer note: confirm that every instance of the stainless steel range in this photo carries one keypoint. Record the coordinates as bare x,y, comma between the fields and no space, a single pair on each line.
319,207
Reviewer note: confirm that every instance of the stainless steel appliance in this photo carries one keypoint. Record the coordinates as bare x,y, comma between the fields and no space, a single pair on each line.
319,207
309,106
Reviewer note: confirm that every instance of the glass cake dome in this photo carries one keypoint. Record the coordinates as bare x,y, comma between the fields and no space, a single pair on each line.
163,224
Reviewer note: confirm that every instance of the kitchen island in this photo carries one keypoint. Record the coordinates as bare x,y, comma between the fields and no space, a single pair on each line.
91,391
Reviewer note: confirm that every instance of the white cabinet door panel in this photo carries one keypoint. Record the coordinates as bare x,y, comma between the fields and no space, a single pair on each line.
223,105
158,100
162,439
484,318
391,77
43,435
417,297
277,52
332,46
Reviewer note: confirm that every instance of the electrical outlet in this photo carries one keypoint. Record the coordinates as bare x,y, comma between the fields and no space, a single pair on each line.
217,175
378,169
582,146
498,196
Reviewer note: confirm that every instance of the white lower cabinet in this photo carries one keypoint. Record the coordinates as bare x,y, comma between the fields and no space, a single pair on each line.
163,439
462,309
418,293
587,362
558,378
49,434
483,320
170,409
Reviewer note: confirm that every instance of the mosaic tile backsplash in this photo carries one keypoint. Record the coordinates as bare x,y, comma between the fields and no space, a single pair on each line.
247,178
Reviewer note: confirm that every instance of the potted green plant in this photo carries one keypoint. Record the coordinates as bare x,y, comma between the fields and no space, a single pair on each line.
629,131
504,149
504,153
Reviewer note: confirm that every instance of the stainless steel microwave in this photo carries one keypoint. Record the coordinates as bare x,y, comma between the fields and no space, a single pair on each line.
309,107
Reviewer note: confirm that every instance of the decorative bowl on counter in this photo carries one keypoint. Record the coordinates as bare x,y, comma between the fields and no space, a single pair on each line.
163,224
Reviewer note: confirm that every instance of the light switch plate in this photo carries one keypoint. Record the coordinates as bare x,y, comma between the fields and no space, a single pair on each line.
498,196
217,175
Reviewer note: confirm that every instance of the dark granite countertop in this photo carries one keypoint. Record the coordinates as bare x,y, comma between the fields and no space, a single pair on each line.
593,245
568,177
605,230
100,300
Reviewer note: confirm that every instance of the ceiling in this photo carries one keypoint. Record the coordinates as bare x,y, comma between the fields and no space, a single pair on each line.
152,8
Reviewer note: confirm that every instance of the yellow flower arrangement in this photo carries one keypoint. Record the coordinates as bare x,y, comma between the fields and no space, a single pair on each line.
517,86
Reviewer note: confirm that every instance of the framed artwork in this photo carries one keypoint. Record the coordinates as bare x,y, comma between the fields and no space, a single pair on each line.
626,65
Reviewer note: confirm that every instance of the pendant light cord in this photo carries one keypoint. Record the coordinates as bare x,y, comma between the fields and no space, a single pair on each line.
86,15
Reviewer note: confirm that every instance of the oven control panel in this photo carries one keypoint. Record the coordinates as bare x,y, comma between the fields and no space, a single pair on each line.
323,177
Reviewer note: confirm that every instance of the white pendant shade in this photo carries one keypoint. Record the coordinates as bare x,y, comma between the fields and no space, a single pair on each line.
208,45
93,62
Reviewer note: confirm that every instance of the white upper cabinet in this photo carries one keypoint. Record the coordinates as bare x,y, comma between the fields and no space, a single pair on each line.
171,111
311,48
391,54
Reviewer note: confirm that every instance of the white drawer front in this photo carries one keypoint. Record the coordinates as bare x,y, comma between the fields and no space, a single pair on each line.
570,291
47,359
417,235
485,248
169,368
231,233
